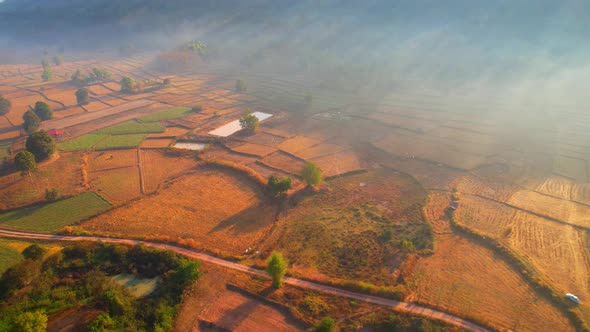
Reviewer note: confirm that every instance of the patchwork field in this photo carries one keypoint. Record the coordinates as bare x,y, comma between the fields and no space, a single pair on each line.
193,207
157,167
54,216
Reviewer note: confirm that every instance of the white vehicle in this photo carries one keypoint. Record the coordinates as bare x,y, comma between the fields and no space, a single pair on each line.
572,298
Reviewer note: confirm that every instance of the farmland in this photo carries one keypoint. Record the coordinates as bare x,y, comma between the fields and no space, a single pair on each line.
54,216
377,221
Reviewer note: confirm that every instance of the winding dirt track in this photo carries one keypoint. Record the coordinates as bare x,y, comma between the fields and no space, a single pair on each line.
399,306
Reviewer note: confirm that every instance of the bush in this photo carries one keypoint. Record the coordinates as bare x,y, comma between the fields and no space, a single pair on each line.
31,322
102,323
327,324
276,187
249,123
51,195
34,252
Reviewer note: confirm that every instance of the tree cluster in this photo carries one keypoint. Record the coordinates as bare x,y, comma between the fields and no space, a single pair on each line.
41,145
82,273
131,86
92,76
82,96
33,117
5,105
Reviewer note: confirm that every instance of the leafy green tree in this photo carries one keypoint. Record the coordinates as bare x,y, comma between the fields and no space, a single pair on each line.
34,252
276,267
5,105
41,145
43,110
58,60
275,186
327,324
249,123
18,276
102,323
241,86
311,174
51,195
25,162
82,96
128,85
31,121
47,73
35,321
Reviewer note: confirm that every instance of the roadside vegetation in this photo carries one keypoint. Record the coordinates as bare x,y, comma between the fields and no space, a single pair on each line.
83,279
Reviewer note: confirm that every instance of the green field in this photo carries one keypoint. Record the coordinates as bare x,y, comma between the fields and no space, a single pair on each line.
81,143
132,127
8,257
172,113
137,286
5,149
120,142
52,217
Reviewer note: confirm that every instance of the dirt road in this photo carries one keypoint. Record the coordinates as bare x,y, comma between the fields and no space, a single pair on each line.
399,306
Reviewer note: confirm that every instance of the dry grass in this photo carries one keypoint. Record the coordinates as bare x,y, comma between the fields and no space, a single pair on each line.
106,160
464,278
157,167
254,149
297,143
284,162
156,143
340,163
63,174
195,207
118,186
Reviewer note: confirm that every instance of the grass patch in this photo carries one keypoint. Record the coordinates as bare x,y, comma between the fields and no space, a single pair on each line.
120,142
139,287
5,149
8,257
52,217
172,113
132,127
83,142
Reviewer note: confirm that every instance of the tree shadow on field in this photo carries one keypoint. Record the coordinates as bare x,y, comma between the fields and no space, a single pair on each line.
231,319
249,220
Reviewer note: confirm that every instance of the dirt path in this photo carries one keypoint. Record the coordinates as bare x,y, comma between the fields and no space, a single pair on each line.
399,306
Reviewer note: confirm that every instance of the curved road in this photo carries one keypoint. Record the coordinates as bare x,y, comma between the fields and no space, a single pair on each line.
400,306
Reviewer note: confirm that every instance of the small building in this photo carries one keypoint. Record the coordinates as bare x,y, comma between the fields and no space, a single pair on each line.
572,298
56,134
454,205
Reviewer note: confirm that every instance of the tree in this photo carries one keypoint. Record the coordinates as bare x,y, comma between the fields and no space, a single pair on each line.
31,121
58,60
327,324
43,110
311,174
25,162
5,105
47,73
45,63
41,145
35,321
78,77
276,266
128,85
102,323
166,82
34,252
249,123
51,195
275,186
240,86
82,96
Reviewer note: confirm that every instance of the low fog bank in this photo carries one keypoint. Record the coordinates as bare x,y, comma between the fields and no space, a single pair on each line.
525,62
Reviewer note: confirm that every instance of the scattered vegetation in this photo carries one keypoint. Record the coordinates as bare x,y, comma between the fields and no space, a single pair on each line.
96,75
276,267
80,277
58,60
47,74
41,145
327,324
51,195
131,86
